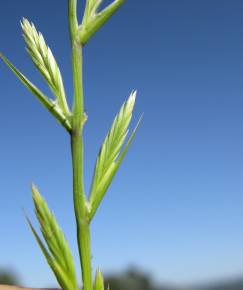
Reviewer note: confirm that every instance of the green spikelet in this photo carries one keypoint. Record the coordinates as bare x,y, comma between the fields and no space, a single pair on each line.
60,258
99,281
110,155
93,19
45,62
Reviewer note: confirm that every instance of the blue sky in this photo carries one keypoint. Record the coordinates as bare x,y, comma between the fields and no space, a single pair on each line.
175,208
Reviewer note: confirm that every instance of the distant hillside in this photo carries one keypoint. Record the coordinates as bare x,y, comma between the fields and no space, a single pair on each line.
136,280
225,285
221,285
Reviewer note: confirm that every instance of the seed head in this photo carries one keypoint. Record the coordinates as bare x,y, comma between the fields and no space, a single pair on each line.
45,62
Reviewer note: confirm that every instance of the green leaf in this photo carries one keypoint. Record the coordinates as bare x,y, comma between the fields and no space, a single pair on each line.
59,256
45,62
45,101
111,155
93,21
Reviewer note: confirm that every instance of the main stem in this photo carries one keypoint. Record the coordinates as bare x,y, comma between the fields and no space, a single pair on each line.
82,222
79,197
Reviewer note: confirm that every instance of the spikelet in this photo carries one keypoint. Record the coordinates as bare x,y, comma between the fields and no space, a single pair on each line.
110,155
91,10
93,19
99,281
45,62
115,138
59,256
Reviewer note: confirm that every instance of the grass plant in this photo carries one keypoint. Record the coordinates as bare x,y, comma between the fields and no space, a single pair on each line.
53,243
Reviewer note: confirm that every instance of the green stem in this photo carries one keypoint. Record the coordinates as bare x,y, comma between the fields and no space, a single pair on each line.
72,16
78,119
83,230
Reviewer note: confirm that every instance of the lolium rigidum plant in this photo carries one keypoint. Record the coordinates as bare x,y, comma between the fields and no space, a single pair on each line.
114,148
